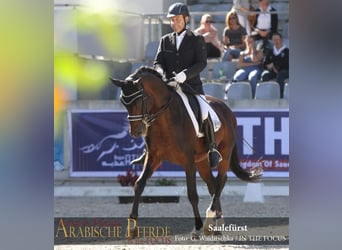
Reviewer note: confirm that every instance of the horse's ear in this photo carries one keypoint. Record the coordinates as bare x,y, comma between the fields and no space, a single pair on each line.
117,82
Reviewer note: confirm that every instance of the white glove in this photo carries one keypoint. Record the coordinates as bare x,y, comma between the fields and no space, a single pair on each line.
159,70
180,77
172,84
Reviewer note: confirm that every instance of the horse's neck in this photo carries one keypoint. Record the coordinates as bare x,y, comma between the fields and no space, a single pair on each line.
171,124
160,93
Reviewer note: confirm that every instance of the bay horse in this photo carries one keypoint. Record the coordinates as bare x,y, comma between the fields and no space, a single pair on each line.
156,112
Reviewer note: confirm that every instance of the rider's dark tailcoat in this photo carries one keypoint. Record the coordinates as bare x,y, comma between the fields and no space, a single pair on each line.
191,57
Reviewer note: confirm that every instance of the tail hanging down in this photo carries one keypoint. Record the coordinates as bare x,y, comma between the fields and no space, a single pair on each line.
253,175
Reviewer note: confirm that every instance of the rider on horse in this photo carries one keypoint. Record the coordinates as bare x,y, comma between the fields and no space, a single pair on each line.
182,56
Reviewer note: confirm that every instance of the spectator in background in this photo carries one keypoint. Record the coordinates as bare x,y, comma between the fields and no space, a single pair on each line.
265,24
277,63
210,34
249,64
233,37
242,8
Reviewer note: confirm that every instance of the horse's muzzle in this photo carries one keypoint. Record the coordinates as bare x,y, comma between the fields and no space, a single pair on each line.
137,130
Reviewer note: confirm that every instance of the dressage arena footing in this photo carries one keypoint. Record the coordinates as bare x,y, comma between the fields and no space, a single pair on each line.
252,192
86,197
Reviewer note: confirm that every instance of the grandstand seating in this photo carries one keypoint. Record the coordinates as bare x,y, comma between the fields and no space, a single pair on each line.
136,65
267,91
285,34
239,91
283,8
205,74
228,70
151,51
214,89
199,8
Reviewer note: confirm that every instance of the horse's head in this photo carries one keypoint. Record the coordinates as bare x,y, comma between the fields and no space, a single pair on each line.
133,98
139,98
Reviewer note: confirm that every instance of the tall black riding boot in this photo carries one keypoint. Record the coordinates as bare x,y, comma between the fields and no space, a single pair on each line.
209,137
140,160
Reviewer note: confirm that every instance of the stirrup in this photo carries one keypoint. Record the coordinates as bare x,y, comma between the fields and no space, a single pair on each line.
140,160
214,157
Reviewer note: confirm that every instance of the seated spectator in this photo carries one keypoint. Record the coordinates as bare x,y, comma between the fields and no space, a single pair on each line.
277,63
210,34
233,37
265,24
249,64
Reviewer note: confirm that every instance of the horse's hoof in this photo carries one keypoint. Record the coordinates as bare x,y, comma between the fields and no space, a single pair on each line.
196,233
218,222
207,223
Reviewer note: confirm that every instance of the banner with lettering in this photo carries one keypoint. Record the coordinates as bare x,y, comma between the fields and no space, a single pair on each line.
263,139
101,144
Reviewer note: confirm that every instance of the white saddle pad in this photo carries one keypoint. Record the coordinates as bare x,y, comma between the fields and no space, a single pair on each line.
213,115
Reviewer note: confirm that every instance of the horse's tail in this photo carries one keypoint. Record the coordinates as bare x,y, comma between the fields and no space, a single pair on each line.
253,175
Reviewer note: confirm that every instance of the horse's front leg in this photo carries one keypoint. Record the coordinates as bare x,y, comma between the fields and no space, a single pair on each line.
138,190
193,197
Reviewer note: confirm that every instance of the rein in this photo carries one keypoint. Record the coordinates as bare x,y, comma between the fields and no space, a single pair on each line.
145,117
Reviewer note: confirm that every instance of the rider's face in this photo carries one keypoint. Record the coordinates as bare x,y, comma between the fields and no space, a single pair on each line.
177,23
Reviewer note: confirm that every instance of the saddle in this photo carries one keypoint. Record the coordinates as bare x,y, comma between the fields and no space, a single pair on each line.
191,103
195,108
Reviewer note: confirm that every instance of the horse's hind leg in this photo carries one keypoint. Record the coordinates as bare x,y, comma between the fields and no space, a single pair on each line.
221,180
207,176
193,197
214,211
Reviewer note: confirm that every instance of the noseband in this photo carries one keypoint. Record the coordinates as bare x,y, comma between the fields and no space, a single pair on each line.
145,117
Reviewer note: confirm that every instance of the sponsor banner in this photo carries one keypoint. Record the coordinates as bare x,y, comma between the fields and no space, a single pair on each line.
263,139
149,231
101,144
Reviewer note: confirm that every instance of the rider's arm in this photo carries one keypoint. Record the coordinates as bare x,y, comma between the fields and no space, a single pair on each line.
159,61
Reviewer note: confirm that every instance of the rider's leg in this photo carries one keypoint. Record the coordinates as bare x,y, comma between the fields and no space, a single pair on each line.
214,155
209,134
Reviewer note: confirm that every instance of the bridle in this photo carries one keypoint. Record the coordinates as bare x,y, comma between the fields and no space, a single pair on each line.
145,117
